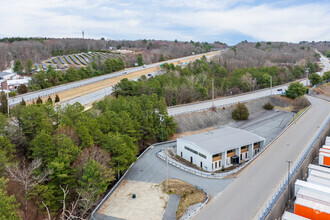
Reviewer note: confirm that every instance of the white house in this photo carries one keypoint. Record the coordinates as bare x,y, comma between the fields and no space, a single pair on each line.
221,148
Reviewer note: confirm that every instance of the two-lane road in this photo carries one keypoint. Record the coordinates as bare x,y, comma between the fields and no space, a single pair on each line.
248,193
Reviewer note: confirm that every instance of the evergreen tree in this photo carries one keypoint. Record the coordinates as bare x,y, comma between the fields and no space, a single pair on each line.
23,103
39,100
18,67
4,103
240,112
8,204
50,100
28,66
140,60
57,98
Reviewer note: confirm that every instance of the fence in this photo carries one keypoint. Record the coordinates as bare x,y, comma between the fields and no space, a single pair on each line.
266,209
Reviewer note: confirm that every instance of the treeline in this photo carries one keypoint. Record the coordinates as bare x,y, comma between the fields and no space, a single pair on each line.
39,50
73,155
193,83
13,39
51,77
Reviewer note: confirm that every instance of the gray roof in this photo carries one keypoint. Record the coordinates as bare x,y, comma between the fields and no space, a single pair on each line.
5,74
222,139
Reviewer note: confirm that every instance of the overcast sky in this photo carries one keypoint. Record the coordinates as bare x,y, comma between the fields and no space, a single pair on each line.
229,21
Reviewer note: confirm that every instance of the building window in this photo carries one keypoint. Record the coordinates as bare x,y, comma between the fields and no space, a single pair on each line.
202,155
216,155
195,152
219,164
216,165
230,151
181,154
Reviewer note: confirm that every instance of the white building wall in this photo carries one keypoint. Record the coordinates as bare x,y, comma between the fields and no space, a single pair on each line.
186,154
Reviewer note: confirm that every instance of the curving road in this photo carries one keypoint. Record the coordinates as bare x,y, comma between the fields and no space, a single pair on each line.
248,193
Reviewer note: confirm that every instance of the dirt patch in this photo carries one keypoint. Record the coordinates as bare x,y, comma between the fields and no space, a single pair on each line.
322,90
150,201
189,194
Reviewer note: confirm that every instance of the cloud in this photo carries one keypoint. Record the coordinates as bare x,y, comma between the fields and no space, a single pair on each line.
203,20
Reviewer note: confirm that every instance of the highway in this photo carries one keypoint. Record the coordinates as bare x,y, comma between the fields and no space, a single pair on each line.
69,86
248,193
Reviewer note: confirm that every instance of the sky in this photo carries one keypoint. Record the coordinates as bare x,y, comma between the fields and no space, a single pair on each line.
229,21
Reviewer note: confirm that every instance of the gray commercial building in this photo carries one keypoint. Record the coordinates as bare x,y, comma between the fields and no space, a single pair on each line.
221,148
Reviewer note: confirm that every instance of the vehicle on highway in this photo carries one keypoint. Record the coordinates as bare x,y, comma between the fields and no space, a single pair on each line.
279,90
149,74
144,66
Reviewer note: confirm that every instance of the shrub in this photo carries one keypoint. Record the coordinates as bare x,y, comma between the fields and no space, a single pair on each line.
315,78
22,89
240,112
39,100
268,106
12,93
326,76
300,103
295,89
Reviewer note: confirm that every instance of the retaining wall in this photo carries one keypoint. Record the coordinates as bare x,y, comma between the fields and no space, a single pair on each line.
278,208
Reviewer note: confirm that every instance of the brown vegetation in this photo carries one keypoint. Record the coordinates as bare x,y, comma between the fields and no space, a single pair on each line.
189,194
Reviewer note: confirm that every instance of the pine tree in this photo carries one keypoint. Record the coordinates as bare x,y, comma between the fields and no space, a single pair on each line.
49,100
39,100
57,98
23,103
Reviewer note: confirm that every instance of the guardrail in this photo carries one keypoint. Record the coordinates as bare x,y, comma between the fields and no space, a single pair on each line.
264,212
221,175
199,207
123,176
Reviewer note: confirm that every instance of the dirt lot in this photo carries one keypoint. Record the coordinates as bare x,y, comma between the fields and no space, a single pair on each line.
323,90
150,201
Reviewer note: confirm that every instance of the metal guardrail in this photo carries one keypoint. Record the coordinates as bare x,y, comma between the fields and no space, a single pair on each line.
264,212
123,176
199,207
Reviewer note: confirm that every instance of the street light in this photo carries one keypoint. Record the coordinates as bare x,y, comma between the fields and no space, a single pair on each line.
307,72
289,164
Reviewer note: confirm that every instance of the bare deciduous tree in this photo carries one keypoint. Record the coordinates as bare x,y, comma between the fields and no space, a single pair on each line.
24,174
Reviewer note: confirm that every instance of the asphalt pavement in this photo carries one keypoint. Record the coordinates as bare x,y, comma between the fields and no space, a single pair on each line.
249,192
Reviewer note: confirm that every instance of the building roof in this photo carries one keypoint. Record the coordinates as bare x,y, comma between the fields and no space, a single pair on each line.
5,74
222,139
18,81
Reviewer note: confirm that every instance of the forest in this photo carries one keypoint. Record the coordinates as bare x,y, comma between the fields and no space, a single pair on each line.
194,82
39,49
64,158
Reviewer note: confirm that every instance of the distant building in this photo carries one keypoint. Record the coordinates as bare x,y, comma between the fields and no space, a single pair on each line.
6,75
220,148
13,84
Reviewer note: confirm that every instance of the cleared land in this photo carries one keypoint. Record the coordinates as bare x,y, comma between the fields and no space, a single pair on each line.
150,201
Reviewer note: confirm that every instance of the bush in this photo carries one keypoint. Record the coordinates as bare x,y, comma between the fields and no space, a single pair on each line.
315,78
326,76
12,94
240,112
22,89
300,103
295,89
268,106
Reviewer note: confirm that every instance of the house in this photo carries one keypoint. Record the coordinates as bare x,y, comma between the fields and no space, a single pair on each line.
6,75
221,148
13,84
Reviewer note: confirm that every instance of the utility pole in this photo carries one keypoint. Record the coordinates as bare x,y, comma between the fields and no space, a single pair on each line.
212,92
271,85
83,34
289,164
7,99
